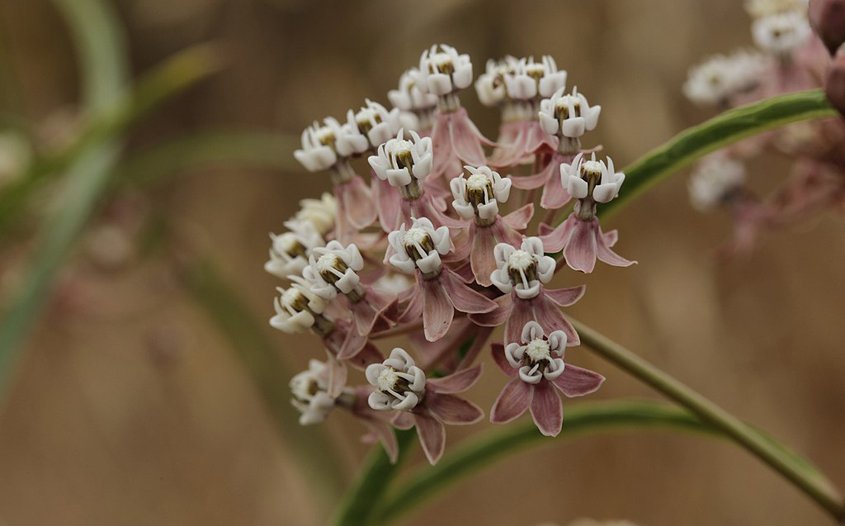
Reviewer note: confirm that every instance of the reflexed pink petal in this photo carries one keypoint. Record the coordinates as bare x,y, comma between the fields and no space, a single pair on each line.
357,202
565,297
403,420
506,234
519,218
513,149
546,409
482,261
610,238
558,238
364,316
554,194
530,182
537,138
462,297
577,381
433,353
414,308
368,354
550,317
543,229
456,382
432,436
387,200
441,144
497,316
453,410
580,252
498,352
605,254
465,140
353,342
337,376
437,308
512,402
521,314
387,438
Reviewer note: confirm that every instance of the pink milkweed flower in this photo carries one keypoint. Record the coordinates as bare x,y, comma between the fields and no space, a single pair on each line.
334,269
534,80
426,404
289,251
311,397
456,140
580,237
403,167
415,105
328,146
563,120
521,275
439,291
299,309
370,126
477,199
538,371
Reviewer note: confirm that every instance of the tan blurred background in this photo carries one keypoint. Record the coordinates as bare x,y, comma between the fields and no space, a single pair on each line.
131,407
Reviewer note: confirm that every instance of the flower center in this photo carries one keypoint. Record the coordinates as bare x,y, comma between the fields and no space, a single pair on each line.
402,157
294,300
331,267
562,108
325,136
387,379
288,244
479,189
418,243
522,268
441,63
538,350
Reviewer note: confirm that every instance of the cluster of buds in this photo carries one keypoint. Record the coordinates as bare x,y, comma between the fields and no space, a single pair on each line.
434,249
790,58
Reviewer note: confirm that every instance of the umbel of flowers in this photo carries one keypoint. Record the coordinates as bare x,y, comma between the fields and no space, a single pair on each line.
439,249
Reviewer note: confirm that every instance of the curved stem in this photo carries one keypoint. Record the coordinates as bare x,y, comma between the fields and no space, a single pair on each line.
800,474
583,418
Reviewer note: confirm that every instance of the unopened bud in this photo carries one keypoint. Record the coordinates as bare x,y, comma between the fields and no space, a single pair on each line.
835,82
828,20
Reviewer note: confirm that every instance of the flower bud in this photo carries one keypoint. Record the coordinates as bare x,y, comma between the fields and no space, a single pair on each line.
835,82
828,20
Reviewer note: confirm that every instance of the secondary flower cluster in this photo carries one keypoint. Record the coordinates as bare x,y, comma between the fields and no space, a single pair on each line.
430,240
789,58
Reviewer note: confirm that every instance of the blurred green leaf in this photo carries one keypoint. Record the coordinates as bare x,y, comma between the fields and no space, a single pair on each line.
720,131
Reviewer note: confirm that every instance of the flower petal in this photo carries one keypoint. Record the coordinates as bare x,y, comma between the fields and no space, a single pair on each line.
464,298
482,261
497,316
519,218
403,420
565,297
577,381
546,409
530,182
432,435
455,382
558,238
521,314
466,139
607,255
451,409
438,311
550,317
386,436
554,194
580,251
357,202
512,402
387,201
498,352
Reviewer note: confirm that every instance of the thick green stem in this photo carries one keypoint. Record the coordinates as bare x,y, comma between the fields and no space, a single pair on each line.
816,486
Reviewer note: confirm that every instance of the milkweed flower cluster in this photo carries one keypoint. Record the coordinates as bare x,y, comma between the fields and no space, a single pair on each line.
788,58
429,235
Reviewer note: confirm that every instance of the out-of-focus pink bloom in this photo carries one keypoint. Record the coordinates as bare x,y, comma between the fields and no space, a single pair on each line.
521,274
439,290
580,236
426,404
333,270
827,17
538,372
477,199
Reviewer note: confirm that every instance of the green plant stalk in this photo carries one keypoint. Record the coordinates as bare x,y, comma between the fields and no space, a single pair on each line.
317,458
581,418
720,131
87,178
360,501
808,480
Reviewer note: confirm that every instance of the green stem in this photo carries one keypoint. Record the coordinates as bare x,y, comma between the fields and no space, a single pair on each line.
359,503
810,481
581,419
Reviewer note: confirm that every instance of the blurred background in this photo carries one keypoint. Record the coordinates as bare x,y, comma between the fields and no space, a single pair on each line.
152,390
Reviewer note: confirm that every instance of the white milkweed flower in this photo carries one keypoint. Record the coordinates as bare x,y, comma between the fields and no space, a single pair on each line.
529,80
713,179
522,270
297,307
720,77
319,213
400,161
568,115
538,356
410,96
480,193
781,33
490,85
289,251
323,144
309,391
443,71
399,383
370,126
334,268
762,8
419,247
591,178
